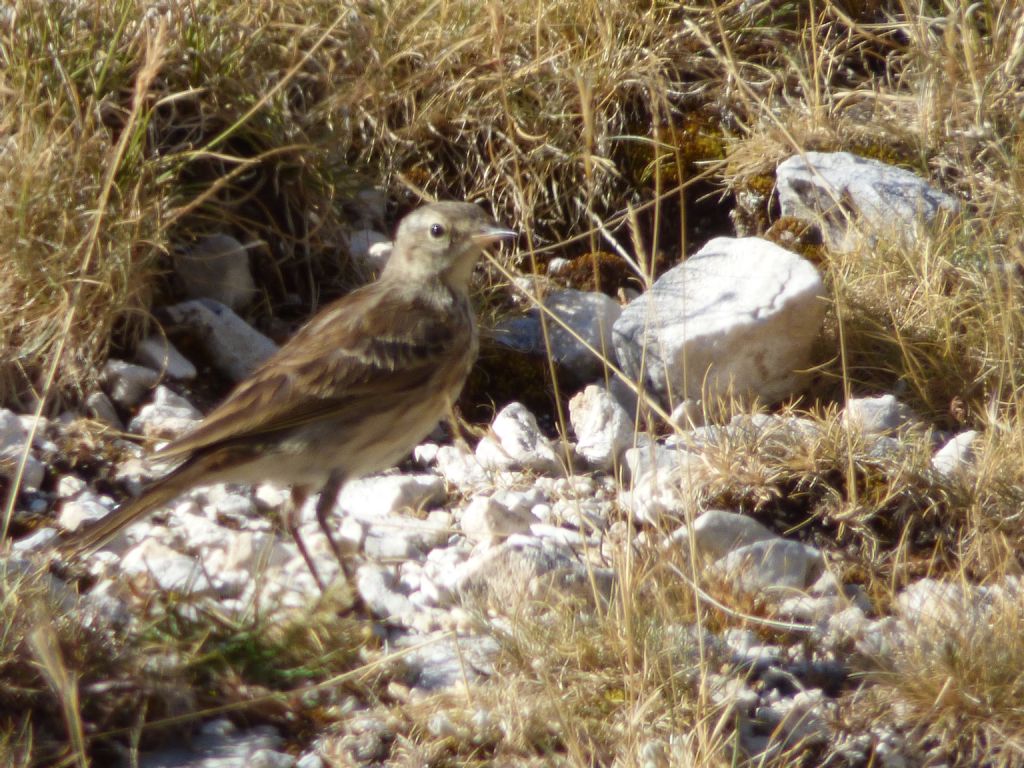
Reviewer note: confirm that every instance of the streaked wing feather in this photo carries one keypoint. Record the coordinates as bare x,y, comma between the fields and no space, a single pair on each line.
368,344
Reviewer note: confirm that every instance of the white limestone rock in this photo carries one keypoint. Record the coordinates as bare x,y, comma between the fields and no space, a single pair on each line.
802,719
158,353
487,520
717,532
166,569
80,511
602,426
378,496
770,569
957,455
405,538
855,199
216,267
220,744
739,317
515,443
167,417
943,605
380,591
523,570
462,469
882,415
664,482
234,347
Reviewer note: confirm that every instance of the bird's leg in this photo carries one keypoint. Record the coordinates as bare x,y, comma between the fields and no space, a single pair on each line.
455,425
324,505
291,519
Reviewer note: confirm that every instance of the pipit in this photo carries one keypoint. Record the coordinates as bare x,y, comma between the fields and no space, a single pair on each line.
353,391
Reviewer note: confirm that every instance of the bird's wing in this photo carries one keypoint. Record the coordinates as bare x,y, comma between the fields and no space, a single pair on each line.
372,343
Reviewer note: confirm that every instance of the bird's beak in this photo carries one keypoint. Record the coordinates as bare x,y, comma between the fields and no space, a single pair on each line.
492,235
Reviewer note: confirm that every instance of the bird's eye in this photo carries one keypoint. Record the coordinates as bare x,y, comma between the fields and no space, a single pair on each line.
437,230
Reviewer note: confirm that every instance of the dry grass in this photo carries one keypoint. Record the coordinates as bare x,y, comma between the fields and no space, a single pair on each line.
128,128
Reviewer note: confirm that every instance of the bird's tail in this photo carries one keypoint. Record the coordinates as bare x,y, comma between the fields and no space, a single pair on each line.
155,495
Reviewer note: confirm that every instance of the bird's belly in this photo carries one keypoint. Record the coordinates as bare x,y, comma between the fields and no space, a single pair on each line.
355,447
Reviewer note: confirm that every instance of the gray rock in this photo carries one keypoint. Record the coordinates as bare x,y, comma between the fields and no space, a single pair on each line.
515,443
876,415
102,409
158,353
449,663
128,383
13,435
957,455
216,267
369,249
234,347
738,318
525,570
589,315
770,569
221,745
603,428
854,198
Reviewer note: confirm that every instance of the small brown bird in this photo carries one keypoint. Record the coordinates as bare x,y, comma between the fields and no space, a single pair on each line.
353,391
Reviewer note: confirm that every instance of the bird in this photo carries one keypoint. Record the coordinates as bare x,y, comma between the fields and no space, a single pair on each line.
351,393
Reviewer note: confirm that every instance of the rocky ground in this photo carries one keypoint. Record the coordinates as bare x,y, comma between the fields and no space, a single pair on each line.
462,541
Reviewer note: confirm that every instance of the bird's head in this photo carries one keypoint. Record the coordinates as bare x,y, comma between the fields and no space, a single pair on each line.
443,241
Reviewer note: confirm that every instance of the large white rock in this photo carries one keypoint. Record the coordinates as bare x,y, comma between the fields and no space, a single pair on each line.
737,317
853,197
166,569
602,426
